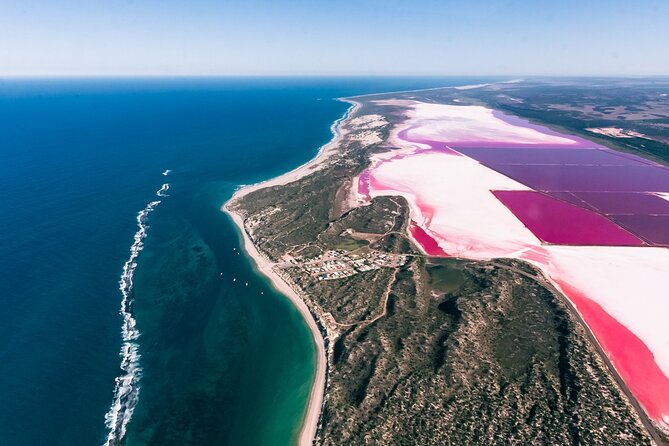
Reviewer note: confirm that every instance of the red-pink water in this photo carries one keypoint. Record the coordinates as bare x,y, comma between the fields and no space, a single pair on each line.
429,244
632,359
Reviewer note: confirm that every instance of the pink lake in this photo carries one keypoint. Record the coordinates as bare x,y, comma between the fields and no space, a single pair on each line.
590,218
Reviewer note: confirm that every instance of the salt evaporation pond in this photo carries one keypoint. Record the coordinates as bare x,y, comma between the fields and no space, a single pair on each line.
485,185
561,223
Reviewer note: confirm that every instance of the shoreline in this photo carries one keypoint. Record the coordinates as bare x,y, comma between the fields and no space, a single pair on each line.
264,266
309,427
310,166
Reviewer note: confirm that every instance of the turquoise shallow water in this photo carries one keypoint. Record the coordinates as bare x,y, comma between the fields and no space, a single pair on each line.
223,363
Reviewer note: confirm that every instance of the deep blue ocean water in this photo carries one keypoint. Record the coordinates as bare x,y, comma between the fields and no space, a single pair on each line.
223,363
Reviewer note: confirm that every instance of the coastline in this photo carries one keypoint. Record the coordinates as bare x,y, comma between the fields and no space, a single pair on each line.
310,424
310,166
265,266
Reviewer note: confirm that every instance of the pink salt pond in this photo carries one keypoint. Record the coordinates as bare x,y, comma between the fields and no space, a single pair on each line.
551,156
587,178
595,221
560,223
624,202
654,228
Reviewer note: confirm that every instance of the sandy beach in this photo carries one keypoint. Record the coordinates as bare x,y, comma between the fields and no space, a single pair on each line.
308,167
265,266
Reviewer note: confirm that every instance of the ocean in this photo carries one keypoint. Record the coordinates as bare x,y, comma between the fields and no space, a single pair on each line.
93,167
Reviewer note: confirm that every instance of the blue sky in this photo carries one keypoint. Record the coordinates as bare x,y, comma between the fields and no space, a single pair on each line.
346,37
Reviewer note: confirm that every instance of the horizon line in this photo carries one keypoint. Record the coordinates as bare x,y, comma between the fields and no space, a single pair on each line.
241,75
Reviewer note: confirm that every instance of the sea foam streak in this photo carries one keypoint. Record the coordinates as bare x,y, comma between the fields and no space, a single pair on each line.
126,391
164,188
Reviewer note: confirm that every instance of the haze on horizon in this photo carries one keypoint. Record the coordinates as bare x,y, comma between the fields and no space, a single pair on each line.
349,37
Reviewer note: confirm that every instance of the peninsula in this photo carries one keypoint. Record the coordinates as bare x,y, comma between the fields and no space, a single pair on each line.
480,263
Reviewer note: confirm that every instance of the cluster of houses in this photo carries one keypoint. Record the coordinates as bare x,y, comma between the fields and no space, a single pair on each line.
338,264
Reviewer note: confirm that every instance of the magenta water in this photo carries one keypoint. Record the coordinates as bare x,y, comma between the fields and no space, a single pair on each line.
625,202
588,178
548,156
582,183
556,222
570,197
653,228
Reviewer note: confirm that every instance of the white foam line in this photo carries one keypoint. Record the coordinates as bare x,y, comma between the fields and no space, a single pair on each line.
126,390
164,188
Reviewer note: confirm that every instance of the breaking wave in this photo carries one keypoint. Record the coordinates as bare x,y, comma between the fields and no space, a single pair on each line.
164,188
126,390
